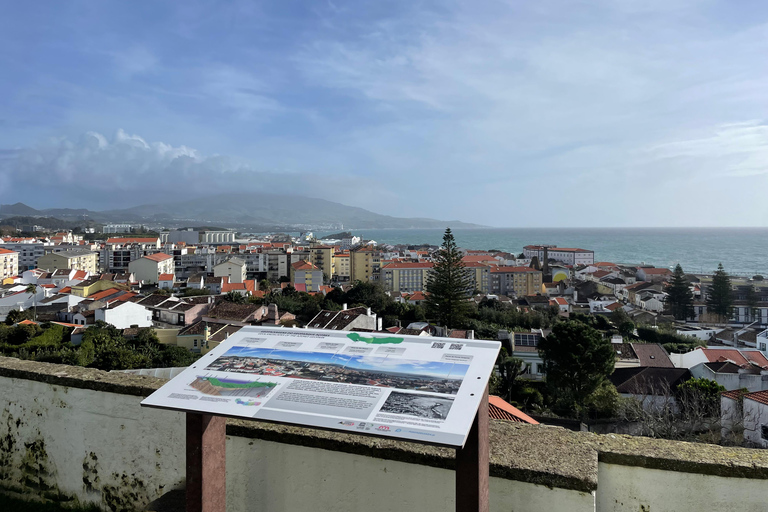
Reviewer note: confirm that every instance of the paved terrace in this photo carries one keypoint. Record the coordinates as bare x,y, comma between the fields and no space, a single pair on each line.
77,435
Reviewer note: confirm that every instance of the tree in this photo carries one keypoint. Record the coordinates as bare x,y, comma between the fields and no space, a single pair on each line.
577,360
32,288
15,316
752,299
679,302
448,285
510,370
265,285
237,298
720,298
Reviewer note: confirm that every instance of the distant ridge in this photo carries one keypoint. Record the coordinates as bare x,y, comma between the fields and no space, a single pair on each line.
244,211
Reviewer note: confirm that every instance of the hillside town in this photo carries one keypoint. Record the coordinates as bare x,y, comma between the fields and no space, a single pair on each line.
195,288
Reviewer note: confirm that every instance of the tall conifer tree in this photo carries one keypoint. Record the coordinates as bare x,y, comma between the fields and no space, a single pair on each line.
720,299
448,285
679,300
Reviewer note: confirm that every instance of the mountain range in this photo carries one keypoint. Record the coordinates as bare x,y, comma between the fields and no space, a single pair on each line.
256,212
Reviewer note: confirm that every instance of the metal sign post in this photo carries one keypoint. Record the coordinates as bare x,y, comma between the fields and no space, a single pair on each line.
472,463
206,463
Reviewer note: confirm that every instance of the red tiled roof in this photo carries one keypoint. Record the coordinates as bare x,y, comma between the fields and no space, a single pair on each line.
166,277
560,301
303,265
740,357
66,289
758,396
734,394
104,293
498,409
417,296
229,287
158,257
613,307
7,251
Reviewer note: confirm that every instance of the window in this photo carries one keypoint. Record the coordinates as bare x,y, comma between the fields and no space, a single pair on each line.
764,432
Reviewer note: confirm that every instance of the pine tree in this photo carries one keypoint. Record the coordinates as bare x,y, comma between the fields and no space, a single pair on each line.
577,360
679,300
448,285
720,298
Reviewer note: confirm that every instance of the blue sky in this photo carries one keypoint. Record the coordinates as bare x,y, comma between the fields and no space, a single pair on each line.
546,113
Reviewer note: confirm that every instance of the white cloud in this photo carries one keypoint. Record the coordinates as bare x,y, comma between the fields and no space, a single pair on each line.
128,170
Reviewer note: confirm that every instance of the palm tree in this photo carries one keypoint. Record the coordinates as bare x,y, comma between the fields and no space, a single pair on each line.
32,288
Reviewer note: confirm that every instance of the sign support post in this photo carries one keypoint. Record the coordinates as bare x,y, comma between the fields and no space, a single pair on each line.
472,463
206,463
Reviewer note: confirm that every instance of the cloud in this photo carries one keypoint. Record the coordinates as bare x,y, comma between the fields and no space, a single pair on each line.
93,171
736,149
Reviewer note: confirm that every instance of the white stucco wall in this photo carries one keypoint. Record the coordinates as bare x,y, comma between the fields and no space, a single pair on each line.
288,477
83,434
636,489
61,438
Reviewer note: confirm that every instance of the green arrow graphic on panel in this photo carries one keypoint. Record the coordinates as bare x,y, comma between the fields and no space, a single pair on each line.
373,341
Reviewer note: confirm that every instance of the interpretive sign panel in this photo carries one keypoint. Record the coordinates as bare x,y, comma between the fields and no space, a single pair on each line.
424,389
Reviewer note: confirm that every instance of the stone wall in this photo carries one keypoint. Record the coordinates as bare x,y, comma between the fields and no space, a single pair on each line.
77,435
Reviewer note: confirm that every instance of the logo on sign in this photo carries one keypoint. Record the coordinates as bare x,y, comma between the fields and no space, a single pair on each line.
347,423
382,427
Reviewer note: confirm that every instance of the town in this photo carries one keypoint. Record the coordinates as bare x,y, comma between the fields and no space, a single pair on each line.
166,297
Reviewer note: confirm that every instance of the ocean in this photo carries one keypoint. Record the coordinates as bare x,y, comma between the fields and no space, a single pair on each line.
742,251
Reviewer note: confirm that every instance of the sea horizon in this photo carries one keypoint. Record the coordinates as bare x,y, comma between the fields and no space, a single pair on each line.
699,250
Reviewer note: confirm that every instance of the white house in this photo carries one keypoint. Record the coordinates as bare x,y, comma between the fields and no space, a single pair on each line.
125,315
233,268
149,268
166,281
747,414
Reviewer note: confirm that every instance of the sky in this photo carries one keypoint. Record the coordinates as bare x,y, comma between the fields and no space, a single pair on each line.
550,113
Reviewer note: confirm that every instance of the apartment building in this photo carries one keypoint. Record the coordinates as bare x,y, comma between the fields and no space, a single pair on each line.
75,259
9,263
567,255
28,249
322,257
341,271
234,269
407,277
119,252
517,281
305,276
365,264
149,268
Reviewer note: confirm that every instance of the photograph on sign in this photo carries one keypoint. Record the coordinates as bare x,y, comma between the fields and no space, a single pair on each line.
410,387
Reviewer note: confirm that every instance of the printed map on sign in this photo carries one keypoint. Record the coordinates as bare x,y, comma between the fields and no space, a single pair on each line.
418,388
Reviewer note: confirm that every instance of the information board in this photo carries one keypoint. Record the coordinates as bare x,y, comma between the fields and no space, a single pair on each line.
419,388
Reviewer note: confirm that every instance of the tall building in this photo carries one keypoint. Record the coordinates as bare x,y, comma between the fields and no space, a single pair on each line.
519,281
406,277
322,257
9,263
365,264
341,270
